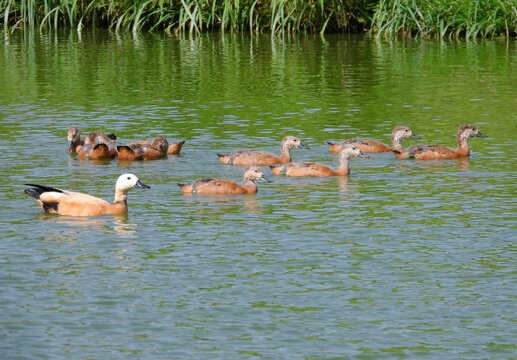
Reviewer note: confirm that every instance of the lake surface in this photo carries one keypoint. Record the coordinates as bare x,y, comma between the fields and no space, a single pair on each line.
402,259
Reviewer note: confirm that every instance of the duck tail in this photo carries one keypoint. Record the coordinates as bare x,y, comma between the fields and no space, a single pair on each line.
224,158
35,191
186,188
333,147
276,169
175,148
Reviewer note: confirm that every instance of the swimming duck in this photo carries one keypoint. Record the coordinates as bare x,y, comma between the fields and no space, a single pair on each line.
75,140
147,150
371,146
256,157
97,145
432,152
62,202
317,169
209,186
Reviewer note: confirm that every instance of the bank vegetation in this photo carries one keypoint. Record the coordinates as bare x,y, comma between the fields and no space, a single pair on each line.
415,18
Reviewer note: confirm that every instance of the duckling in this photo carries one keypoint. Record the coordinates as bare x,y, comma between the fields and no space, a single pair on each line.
144,150
62,202
209,186
97,145
255,157
317,169
432,152
371,146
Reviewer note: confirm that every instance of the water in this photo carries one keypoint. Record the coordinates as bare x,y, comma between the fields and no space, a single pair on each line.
402,259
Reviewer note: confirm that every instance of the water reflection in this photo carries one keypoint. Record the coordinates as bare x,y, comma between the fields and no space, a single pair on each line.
76,225
247,204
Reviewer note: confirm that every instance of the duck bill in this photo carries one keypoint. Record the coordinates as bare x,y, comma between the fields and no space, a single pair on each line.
264,179
69,145
363,155
141,185
302,146
413,136
481,135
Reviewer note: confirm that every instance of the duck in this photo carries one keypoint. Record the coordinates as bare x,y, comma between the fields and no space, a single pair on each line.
75,140
63,202
158,148
371,146
256,157
433,152
210,186
97,145
317,169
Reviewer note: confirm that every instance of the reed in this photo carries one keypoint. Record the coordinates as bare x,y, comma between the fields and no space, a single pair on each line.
384,17
446,18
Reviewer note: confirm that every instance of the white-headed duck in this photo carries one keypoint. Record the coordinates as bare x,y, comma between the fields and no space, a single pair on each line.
256,157
432,152
62,202
209,186
371,146
317,169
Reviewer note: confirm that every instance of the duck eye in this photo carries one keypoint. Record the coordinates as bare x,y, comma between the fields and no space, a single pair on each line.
405,130
129,177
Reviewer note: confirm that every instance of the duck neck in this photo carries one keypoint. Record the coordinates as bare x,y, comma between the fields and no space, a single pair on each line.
343,168
395,142
463,146
249,184
286,152
120,196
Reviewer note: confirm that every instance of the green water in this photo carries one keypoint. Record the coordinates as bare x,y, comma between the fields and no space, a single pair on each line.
402,259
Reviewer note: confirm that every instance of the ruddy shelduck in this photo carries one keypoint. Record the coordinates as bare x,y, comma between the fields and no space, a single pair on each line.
63,202
209,186
97,145
256,157
318,169
158,148
75,140
398,134
433,152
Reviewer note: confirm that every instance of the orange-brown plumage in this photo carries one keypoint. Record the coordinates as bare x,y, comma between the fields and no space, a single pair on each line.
97,145
371,146
435,152
62,202
209,186
256,157
158,148
318,169
175,148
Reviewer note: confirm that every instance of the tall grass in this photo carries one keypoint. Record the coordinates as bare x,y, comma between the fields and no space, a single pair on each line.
384,17
190,15
446,18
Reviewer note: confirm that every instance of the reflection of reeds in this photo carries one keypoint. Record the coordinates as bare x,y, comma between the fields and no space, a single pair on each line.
445,18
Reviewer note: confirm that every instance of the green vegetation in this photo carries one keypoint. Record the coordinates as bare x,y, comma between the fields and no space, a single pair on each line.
442,18
438,18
